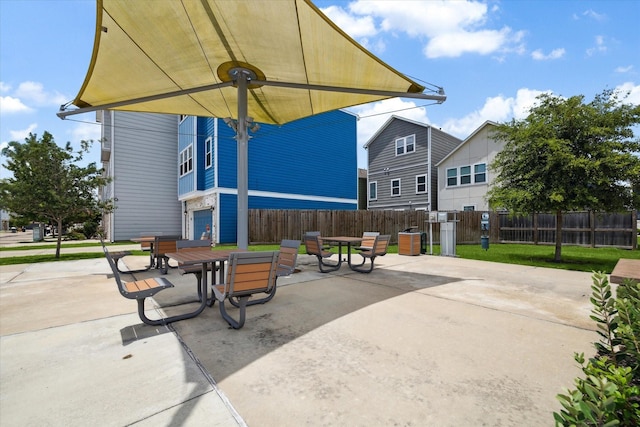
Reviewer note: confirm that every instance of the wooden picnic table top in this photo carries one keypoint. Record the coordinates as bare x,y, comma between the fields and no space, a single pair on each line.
143,239
341,239
200,256
626,269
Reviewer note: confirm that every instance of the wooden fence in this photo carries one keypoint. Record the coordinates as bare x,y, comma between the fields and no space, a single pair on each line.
580,228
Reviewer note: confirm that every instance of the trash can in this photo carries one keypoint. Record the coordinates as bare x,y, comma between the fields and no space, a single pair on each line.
408,243
484,241
423,243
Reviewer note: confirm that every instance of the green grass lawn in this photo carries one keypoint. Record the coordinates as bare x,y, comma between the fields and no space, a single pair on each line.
573,257
65,244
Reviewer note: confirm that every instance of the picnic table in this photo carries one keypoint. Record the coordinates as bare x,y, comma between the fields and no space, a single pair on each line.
626,269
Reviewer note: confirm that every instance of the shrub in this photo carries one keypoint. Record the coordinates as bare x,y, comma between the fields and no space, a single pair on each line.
74,235
609,394
90,229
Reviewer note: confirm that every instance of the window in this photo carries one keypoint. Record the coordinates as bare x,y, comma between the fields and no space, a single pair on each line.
421,184
452,177
405,145
468,208
373,190
186,160
465,175
395,187
208,153
480,173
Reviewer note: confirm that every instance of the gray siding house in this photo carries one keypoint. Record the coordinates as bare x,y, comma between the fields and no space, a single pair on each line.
139,151
401,164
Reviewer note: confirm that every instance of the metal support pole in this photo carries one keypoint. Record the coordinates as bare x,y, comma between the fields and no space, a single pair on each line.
243,164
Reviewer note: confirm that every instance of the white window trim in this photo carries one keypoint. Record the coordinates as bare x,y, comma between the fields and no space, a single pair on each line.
473,167
472,175
399,187
447,177
374,183
404,145
426,190
208,153
186,158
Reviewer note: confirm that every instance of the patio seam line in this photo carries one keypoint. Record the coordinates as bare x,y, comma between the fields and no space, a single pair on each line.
210,379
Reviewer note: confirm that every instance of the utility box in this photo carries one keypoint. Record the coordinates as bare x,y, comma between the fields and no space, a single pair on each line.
409,243
38,232
448,239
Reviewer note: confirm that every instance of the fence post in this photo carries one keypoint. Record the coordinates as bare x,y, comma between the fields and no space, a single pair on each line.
592,224
634,229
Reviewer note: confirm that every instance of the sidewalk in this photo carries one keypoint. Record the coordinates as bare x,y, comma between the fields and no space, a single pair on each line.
424,340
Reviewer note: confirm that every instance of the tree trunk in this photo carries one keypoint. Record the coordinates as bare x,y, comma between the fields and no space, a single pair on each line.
558,255
59,238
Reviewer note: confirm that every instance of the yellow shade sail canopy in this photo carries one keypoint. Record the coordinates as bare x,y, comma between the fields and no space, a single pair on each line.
184,57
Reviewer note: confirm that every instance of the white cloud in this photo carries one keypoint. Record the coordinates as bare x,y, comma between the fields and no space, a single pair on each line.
27,96
33,92
497,109
454,44
538,55
356,27
501,109
449,29
9,104
426,18
600,47
20,135
590,13
624,69
373,116
633,90
86,132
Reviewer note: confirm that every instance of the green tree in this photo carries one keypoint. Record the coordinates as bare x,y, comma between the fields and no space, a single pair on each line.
47,185
568,155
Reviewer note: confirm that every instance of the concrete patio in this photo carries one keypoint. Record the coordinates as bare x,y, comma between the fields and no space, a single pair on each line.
423,340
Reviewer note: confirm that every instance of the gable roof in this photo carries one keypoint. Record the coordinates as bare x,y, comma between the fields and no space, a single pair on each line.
387,123
467,139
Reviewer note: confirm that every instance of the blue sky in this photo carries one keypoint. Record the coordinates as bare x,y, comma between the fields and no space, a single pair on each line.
491,57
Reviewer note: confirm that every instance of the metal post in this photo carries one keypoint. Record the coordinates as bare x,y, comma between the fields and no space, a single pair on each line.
243,164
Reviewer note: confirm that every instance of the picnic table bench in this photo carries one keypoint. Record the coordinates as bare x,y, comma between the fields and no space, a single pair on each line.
286,265
379,248
140,290
118,255
161,247
248,273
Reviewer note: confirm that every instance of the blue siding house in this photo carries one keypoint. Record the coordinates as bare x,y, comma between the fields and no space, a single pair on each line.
307,164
